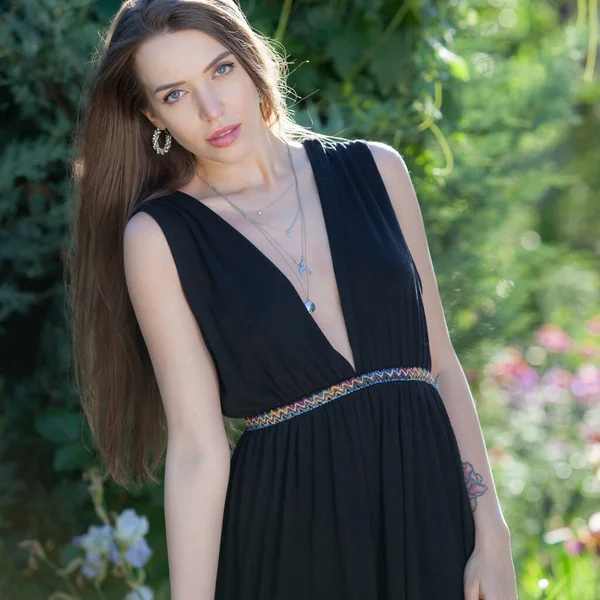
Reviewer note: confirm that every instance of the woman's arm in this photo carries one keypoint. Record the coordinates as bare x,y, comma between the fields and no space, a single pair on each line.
198,457
452,383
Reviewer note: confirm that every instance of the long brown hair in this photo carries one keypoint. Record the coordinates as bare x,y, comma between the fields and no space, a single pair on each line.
114,168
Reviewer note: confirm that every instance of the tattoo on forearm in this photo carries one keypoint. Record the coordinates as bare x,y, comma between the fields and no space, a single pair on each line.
474,483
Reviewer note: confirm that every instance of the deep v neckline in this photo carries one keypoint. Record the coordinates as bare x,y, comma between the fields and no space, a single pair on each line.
297,301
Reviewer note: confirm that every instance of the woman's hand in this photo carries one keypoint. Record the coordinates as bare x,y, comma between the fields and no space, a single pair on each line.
490,573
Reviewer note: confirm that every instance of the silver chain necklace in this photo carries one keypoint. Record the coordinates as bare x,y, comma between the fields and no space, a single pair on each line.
301,264
260,210
288,230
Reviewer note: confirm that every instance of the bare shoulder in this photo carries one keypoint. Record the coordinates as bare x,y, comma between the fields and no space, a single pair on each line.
143,236
185,371
147,256
381,148
151,273
397,180
389,161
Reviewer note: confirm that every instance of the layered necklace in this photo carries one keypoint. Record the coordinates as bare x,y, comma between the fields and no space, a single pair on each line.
301,264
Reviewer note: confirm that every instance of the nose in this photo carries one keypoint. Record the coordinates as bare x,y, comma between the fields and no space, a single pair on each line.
209,104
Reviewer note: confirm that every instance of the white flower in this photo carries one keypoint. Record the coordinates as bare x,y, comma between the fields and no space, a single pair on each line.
142,593
97,540
130,527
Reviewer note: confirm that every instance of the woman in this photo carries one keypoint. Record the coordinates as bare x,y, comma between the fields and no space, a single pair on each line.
231,264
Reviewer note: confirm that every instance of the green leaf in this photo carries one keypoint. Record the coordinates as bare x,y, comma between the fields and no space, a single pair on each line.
70,457
58,426
391,62
345,51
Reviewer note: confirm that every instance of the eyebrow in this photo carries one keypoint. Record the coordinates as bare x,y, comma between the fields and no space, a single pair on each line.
213,62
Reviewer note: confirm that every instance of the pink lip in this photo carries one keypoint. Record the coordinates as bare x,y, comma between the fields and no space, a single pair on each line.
219,131
227,139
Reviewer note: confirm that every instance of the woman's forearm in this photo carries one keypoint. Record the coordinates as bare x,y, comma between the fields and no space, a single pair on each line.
460,406
195,491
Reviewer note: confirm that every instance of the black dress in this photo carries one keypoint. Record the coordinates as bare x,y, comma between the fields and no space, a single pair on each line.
345,485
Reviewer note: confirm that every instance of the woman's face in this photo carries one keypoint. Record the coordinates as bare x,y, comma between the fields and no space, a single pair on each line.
196,86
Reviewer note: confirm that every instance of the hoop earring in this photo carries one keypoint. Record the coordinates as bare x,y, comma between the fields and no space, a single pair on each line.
167,145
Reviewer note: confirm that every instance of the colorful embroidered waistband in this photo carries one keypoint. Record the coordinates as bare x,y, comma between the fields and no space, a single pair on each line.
283,413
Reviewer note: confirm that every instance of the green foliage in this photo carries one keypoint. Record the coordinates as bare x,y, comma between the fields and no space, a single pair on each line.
506,166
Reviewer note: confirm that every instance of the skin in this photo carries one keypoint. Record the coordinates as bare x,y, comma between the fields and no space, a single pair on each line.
223,96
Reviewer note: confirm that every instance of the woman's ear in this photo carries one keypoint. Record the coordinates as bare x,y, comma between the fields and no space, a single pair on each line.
156,122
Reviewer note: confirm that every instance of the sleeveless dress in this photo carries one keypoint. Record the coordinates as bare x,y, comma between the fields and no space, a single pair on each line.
345,484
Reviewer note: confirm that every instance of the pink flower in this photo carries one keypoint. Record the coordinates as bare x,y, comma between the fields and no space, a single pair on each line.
573,546
555,385
592,325
557,377
553,338
586,383
526,376
511,371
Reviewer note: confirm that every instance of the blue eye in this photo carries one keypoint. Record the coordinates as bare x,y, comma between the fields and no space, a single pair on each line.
230,65
169,95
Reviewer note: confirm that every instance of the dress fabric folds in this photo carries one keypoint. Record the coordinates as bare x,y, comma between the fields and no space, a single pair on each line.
362,496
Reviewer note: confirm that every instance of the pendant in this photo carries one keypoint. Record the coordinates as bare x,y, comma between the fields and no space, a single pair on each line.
259,212
303,267
289,234
310,306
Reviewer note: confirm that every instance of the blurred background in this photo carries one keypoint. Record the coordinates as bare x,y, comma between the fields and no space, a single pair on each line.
495,107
